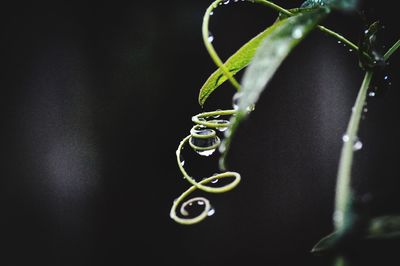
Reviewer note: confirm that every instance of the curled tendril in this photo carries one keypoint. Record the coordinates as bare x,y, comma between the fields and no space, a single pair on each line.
203,130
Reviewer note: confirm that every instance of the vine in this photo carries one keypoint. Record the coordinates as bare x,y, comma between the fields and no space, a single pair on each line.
264,54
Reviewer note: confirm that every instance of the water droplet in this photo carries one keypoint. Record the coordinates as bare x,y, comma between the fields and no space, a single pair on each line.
215,180
339,42
222,147
217,115
181,159
210,37
205,152
371,94
251,107
202,130
224,124
226,2
350,50
200,202
204,141
211,212
298,32
365,110
235,100
357,145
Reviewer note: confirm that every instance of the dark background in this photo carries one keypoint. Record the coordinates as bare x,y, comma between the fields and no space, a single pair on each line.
96,97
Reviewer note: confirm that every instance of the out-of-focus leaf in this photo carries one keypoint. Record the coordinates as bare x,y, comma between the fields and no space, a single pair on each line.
325,244
384,227
285,35
340,4
369,54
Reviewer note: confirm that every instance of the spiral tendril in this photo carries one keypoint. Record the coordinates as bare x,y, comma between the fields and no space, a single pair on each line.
203,132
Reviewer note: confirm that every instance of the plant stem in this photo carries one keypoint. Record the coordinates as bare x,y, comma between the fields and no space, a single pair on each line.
274,6
321,28
343,214
217,60
343,188
392,50
338,36
210,47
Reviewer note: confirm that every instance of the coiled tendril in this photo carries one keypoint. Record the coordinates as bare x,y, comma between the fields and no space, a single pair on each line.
202,138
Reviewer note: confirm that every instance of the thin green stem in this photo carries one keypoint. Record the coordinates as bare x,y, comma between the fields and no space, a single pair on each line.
321,28
343,188
210,47
274,6
217,60
343,201
338,36
392,50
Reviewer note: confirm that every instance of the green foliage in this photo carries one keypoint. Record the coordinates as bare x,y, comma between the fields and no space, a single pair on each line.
239,60
283,37
340,4
262,56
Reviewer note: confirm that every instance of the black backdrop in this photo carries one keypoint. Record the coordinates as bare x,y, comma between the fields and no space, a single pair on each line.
96,97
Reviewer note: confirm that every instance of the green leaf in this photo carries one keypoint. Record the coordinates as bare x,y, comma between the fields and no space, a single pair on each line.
379,228
284,36
235,63
384,227
325,244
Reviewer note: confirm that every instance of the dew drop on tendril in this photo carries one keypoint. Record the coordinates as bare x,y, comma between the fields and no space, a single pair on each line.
210,37
203,140
211,212
224,124
205,152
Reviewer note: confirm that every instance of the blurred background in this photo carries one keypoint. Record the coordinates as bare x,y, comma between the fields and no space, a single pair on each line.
96,98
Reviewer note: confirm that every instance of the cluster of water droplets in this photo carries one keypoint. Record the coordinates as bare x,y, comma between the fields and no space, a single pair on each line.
343,44
357,144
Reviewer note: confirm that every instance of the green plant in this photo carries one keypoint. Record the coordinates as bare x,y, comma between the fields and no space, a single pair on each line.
261,57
